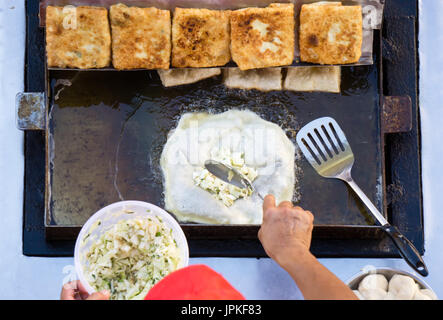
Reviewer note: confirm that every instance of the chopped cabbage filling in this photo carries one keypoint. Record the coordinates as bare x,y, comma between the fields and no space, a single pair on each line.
221,190
131,257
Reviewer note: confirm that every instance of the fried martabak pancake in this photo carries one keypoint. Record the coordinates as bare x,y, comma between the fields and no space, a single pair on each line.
200,38
77,37
263,37
330,34
141,37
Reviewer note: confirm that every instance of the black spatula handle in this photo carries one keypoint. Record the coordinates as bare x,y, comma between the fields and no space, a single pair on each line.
407,249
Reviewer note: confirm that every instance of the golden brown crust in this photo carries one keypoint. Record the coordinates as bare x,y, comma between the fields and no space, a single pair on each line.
200,38
330,34
280,5
263,37
141,37
81,42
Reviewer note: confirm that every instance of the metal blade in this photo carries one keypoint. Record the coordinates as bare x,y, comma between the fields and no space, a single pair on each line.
226,173
325,147
341,135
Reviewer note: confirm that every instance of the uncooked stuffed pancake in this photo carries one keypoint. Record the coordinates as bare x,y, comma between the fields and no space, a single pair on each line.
258,148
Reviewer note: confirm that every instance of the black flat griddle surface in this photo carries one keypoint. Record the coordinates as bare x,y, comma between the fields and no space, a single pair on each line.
403,176
108,130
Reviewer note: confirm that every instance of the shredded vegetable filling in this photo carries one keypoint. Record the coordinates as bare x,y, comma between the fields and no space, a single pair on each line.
221,190
131,257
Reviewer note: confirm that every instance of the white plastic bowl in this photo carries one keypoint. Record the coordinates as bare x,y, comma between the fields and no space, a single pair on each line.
109,216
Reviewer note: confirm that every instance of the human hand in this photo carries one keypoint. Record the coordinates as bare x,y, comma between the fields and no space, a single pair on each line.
74,290
286,230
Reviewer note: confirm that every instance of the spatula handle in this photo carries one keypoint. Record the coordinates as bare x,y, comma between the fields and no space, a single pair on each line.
368,203
407,250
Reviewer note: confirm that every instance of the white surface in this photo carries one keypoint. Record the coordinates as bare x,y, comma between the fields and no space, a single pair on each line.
41,278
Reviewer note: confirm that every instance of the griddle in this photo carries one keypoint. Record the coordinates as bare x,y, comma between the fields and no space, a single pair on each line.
342,228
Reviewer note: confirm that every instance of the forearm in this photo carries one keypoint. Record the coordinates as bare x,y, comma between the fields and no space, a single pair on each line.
314,280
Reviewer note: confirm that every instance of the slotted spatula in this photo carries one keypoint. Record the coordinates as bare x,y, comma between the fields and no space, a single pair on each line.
328,151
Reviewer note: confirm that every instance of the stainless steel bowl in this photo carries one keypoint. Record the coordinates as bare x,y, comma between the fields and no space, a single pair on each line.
354,281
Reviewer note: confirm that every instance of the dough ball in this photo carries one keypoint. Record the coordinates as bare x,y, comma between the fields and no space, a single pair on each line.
374,294
358,294
421,296
429,293
390,296
373,281
403,287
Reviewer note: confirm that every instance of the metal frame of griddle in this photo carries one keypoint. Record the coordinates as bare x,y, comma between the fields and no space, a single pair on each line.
205,240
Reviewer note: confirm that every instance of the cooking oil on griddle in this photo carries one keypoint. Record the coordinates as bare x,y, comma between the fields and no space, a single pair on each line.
107,131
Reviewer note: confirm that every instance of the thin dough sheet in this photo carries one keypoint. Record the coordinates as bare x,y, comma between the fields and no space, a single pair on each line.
266,148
